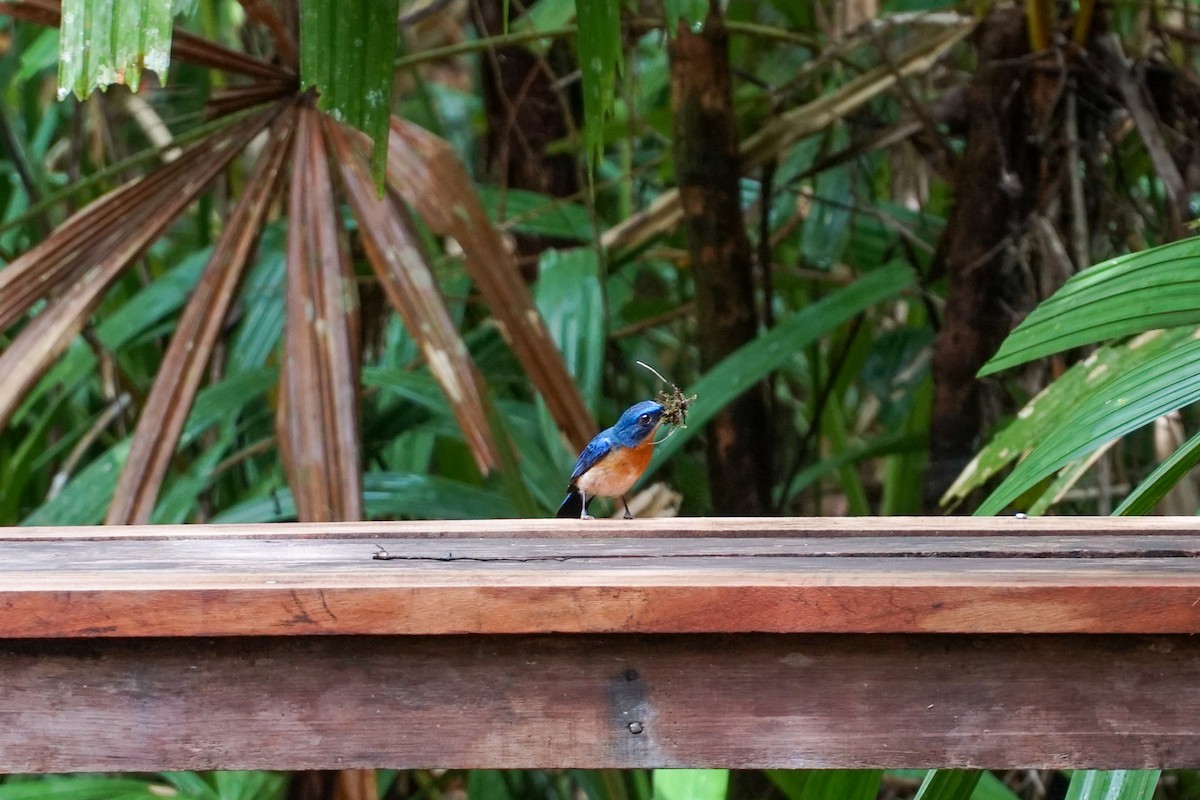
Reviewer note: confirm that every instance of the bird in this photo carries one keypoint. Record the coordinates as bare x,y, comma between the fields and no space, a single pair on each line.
614,460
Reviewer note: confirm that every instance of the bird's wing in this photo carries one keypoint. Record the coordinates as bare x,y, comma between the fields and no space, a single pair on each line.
596,449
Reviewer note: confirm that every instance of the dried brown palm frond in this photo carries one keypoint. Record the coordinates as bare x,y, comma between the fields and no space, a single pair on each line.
318,401
88,252
426,172
400,262
182,367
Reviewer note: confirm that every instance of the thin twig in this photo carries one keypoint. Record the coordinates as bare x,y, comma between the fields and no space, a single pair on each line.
112,412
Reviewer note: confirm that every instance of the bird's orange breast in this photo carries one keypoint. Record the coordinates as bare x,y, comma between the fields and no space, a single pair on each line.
616,473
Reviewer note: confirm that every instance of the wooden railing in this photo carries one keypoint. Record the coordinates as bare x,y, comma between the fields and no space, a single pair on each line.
905,642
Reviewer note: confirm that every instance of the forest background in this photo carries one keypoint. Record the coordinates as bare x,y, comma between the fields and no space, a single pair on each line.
373,260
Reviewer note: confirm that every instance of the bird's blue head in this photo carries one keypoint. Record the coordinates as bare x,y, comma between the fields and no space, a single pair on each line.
638,423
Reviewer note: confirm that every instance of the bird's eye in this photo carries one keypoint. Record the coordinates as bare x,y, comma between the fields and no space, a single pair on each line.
644,418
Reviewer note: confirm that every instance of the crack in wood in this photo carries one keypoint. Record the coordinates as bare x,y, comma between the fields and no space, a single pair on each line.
1081,553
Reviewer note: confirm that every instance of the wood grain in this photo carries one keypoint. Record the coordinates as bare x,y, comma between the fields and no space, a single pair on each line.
735,643
675,527
569,701
1136,581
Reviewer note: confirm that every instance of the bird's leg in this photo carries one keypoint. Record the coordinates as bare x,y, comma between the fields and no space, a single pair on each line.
626,502
583,508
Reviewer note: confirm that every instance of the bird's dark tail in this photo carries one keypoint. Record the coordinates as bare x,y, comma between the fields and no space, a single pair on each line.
572,507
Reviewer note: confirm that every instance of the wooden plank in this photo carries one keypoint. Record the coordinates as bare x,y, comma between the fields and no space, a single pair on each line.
753,701
171,586
682,527
254,554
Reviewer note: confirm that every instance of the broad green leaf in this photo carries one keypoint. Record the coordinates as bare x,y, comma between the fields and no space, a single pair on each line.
86,495
387,495
827,784
755,360
537,214
191,784
992,788
82,788
531,469
827,226
1059,402
487,784
152,304
179,497
1066,478
111,41
545,15
84,499
276,505
1143,498
599,42
690,784
1156,288
40,55
219,401
902,443
904,469
158,300
571,298
416,387
690,11
249,784
19,465
989,787
1120,784
390,495
544,464
948,784
347,49
1147,389
833,427
261,303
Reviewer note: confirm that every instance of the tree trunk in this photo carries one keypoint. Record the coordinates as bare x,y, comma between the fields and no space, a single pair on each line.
997,186
707,170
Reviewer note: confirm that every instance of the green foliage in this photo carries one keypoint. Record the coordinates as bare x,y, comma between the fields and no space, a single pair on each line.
690,11
600,59
230,785
827,784
110,41
1146,494
1121,784
948,784
347,48
756,360
570,296
1154,384
1053,417
690,784
523,211
1118,389
1155,288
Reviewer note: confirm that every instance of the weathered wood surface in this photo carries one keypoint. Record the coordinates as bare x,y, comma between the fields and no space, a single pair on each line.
736,643
683,527
391,578
599,701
